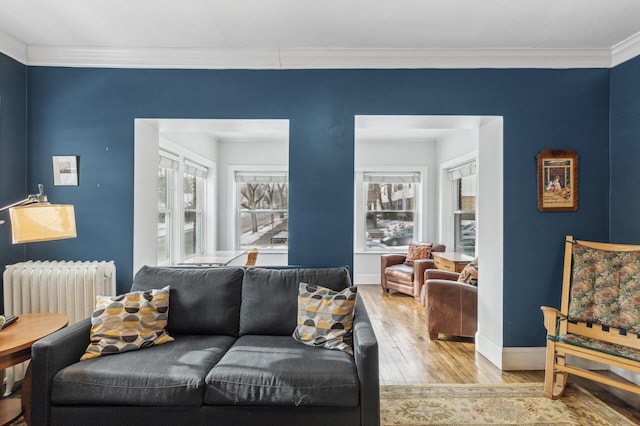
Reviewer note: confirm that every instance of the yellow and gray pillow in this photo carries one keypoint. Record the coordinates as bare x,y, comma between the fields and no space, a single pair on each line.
325,317
129,322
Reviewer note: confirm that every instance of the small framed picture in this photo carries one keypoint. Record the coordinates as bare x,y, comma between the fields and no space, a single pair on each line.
557,180
65,170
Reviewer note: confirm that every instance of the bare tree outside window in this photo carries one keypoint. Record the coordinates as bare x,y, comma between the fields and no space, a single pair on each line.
263,220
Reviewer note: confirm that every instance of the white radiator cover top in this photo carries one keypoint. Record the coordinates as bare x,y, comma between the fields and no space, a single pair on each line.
68,288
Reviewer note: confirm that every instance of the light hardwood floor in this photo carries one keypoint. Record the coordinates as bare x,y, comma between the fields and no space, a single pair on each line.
408,357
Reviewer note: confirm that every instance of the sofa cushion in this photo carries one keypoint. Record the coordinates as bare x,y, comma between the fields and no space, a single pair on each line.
277,370
128,322
400,272
270,296
165,375
325,317
203,300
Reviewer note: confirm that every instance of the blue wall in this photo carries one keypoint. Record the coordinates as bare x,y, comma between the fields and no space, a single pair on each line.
13,152
625,152
91,112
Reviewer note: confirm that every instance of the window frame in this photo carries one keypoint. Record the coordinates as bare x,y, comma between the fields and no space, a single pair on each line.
233,233
448,204
185,159
420,214
169,210
201,191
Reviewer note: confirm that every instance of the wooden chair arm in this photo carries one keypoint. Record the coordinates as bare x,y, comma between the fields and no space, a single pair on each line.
551,318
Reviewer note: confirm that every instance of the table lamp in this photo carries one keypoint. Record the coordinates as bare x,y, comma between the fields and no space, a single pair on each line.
35,219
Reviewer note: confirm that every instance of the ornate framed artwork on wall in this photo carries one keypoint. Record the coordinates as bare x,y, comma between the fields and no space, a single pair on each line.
557,180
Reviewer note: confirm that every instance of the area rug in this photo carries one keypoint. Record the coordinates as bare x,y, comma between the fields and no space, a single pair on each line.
504,404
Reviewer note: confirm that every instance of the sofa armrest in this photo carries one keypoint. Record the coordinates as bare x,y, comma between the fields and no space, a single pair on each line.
392,259
440,274
50,355
437,288
419,268
389,260
365,352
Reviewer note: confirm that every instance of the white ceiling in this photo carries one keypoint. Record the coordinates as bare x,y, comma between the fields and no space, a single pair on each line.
321,34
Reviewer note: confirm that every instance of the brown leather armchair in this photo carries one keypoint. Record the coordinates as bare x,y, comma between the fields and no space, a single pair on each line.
395,275
451,307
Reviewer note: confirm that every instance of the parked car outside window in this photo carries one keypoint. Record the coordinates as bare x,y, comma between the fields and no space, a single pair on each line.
401,237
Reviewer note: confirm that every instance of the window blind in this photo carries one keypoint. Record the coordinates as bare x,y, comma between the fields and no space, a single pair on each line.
261,177
392,177
467,169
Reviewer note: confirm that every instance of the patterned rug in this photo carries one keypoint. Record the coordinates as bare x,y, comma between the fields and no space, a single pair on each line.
505,404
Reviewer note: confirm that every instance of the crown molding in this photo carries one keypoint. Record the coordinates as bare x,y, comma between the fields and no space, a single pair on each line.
445,58
316,58
13,48
625,50
107,57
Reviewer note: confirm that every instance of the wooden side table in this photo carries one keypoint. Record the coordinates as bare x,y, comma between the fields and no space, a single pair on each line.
15,347
450,260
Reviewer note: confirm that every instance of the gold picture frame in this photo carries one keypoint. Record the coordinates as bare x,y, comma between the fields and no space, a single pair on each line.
557,180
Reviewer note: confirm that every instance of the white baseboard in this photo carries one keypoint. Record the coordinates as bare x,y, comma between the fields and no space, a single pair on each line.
489,350
523,358
533,358
366,279
629,375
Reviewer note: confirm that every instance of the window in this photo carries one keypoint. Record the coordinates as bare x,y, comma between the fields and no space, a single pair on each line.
262,210
166,176
193,195
181,208
390,213
464,215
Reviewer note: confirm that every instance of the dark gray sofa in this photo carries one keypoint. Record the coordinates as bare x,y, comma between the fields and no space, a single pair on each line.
233,360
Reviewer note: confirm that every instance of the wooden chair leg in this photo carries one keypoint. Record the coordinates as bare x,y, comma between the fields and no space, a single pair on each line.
555,380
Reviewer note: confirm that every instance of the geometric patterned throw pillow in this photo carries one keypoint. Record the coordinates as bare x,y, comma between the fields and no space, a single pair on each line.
417,252
128,322
325,317
469,274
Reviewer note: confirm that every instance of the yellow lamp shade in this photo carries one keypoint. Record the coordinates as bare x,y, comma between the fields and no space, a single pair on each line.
42,222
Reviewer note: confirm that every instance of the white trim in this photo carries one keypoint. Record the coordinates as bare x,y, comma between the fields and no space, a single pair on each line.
366,279
533,358
490,240
523,358
232,201
208,238
629,375
360,203
625,50
314,58
445,58
489,350
446,203
145,202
